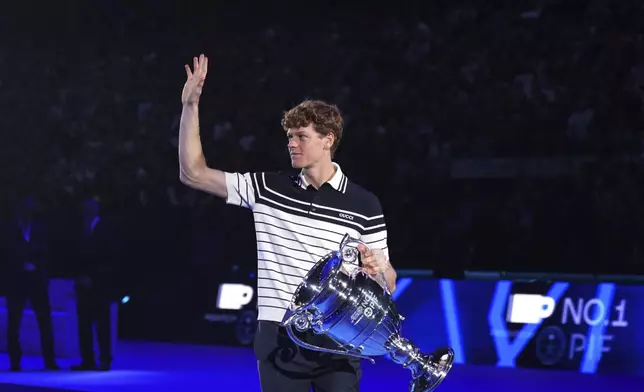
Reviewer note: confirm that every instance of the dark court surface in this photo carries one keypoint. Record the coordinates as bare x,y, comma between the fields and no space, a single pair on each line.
142,366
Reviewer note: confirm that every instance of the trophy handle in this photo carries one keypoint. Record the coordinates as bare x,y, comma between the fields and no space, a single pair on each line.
291,334
349,251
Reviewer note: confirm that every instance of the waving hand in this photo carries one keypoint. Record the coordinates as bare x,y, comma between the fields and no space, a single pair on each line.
196,79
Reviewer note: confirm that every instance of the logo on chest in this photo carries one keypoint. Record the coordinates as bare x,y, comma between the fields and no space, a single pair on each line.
346,216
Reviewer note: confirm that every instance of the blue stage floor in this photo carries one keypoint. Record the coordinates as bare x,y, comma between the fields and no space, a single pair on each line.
157,367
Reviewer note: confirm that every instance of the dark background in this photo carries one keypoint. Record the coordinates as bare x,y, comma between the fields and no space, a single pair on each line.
499,136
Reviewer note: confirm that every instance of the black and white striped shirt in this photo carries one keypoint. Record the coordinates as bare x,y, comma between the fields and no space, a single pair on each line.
296,225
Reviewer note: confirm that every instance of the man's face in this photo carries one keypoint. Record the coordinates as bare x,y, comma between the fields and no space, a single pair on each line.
307,147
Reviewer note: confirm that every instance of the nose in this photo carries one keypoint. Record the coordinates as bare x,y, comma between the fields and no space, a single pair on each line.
292,143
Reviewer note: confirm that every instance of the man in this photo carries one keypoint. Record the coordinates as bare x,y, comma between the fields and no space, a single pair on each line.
95,266
298,220
26,245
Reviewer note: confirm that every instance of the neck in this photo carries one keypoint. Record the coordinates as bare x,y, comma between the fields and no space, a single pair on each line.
319,174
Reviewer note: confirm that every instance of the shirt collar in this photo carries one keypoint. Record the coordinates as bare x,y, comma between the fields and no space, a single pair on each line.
337,182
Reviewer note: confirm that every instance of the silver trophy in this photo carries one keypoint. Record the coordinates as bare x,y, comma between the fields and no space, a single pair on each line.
356,311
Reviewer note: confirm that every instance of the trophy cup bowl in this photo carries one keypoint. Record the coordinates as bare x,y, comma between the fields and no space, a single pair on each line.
357,312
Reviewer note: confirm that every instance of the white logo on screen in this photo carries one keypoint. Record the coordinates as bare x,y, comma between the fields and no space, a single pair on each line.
529,308
233,296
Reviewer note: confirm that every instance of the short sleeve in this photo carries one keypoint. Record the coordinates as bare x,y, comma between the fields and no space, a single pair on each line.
375,231
240,189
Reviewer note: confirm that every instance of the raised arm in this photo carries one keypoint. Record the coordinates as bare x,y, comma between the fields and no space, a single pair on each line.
193,170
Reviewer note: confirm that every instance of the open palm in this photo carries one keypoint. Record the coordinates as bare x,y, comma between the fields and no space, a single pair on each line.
196,79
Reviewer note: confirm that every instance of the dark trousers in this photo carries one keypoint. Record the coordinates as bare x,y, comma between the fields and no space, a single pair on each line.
284,366
35,288
93,309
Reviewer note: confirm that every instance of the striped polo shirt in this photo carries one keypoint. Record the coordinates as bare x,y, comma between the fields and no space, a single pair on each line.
296,225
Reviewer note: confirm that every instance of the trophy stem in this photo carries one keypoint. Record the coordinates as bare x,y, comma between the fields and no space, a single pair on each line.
428,371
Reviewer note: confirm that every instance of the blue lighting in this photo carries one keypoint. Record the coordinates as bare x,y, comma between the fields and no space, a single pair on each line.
125,299
588,327
593,352
451,319
401,286
507,351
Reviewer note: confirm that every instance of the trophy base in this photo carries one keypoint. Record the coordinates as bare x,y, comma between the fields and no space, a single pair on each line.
438,364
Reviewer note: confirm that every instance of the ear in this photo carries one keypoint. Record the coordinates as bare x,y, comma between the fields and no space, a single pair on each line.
329,140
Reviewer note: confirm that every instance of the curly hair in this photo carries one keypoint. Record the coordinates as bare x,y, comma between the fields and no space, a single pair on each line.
326,118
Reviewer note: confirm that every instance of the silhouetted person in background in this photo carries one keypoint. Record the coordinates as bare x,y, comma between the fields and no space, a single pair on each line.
94,287
26,247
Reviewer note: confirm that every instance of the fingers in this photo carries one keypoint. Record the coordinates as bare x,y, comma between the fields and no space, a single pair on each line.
373,261
369,262
199,67
367,255
372,269
363,249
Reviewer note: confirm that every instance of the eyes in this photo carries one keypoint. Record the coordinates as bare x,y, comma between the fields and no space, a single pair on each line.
297,137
